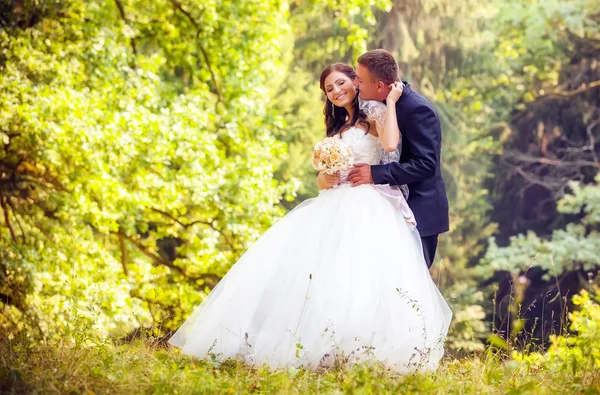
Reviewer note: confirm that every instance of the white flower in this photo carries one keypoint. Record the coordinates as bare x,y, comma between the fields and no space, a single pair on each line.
332,155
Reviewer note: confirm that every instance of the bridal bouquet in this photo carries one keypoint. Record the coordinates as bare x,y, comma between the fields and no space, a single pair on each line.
332,155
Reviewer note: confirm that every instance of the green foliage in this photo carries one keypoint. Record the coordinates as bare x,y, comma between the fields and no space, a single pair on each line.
574,248
511,54
468,327
518,56
142,147
328,31
578,352
126,189
299,105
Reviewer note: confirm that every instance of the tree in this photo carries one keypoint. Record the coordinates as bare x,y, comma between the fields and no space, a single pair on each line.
139,148
137,155
548,51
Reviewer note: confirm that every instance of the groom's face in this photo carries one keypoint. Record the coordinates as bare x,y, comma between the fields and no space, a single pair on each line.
370,88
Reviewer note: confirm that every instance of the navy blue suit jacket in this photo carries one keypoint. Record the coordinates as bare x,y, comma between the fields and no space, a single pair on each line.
419,165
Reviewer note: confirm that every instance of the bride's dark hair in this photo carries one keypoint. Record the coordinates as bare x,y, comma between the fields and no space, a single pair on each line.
335,117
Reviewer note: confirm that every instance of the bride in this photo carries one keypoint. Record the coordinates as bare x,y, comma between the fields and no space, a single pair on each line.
341,279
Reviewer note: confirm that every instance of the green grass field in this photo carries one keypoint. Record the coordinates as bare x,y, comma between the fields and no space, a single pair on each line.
70,367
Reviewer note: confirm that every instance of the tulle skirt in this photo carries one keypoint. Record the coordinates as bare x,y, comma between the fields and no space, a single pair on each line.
339,279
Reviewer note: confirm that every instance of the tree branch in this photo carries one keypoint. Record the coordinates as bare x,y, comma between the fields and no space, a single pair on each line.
552,162
7,218
178,6
211,279
583,88
124,17
12,207
207,223
157,259
592,145
124,257
6,299
171,217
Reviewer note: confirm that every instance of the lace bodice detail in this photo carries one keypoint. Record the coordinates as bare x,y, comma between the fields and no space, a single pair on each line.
365,147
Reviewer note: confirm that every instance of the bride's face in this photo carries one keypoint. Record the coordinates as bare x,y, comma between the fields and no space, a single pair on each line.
339,89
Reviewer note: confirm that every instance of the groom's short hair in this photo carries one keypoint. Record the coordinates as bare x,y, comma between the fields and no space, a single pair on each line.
381,64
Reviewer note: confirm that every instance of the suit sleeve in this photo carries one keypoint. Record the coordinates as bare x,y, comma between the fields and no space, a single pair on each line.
422,133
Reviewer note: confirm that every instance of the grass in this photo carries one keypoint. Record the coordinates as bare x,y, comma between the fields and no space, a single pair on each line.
69,366
74,363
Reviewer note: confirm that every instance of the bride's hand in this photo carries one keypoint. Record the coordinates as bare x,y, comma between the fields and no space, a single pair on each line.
332,179
395,93
326,181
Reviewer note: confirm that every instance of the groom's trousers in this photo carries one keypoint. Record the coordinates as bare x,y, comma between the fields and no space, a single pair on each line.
429,247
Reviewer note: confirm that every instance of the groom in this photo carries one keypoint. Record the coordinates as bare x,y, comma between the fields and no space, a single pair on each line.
419,165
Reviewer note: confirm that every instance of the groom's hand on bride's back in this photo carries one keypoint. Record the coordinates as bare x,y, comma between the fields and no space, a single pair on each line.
360,174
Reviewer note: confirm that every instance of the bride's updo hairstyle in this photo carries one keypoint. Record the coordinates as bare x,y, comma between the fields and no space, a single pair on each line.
335,117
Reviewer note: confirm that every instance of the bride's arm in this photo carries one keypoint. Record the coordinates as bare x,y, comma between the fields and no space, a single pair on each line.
389,133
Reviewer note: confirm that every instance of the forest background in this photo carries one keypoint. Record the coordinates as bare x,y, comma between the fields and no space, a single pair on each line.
145,145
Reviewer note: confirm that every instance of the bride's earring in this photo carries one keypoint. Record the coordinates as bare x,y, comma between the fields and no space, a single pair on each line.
333,110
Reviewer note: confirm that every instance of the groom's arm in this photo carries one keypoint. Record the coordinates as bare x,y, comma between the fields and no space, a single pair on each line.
422,132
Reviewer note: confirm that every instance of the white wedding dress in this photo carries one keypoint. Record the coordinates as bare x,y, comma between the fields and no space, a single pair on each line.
341,278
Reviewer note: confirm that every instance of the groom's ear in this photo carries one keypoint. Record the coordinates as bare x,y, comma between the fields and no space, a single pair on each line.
380,86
